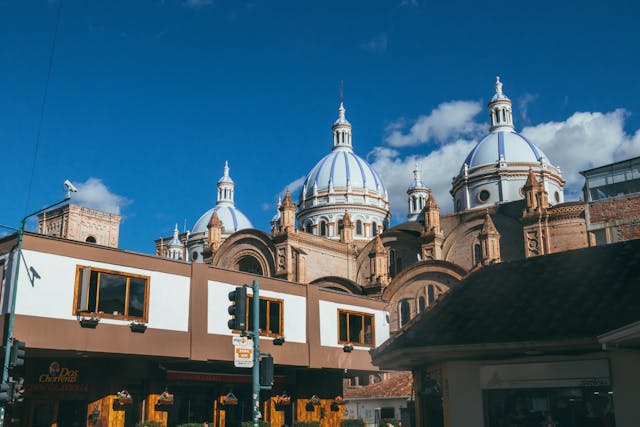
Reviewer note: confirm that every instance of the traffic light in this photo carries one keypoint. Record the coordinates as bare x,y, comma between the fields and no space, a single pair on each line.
266,371
16,358
238,309
18,391
6,392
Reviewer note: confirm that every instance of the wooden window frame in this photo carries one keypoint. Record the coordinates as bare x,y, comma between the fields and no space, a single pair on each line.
362,315
123,316
267,333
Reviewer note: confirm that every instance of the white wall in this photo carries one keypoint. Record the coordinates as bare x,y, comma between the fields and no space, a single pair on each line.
294,316
51,295
329,322
365,409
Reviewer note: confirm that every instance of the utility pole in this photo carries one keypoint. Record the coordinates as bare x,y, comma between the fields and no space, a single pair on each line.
256,353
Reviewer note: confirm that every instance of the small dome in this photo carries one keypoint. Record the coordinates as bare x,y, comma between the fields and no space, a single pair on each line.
231,217
510,147
342,169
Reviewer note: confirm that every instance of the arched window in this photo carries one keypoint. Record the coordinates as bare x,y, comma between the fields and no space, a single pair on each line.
477,254
405,312
431,294
340,226
504,116
323,228
392,263
415,204
249,264
421,304
374,228
308,228
359,227
90,239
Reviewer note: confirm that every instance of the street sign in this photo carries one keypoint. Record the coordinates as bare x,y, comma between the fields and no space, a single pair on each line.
242,352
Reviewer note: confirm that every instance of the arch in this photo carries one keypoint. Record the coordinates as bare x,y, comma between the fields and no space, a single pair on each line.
90,239
339,284
453,271
249,264
247,242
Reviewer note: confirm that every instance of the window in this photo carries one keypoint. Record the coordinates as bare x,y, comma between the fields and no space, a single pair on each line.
90,239
112,294
271,320
477,254
249,264
374,228
431,297
359,227
323,228
405,312
308,228
483,196
355,328
421,304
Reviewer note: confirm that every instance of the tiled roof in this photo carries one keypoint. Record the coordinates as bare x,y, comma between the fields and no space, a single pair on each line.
569,295
395,386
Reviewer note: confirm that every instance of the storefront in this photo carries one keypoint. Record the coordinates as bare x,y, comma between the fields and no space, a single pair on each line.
554,394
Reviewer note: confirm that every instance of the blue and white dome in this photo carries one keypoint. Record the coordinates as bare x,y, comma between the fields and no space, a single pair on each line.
497,168
340,182
504,146
232,218
342,169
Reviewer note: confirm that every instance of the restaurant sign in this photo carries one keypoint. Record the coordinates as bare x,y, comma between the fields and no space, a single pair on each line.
57,378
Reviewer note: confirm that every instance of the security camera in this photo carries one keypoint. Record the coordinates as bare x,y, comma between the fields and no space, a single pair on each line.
70,187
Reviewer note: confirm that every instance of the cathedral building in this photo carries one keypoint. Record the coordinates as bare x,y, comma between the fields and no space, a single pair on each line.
509,205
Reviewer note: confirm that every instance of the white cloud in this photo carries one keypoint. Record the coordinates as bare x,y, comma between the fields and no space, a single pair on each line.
438,168
378,44
583,141
94,194
409,3
449,120
523,106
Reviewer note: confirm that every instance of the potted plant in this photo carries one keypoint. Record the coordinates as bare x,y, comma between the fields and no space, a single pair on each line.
229,399
138,327
165,398
124,398
283,400
339,400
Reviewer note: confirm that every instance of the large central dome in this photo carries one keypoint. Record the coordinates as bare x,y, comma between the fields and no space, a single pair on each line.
343,182
497,168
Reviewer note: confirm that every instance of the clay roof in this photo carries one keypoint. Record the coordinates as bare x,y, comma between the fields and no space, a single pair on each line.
396,386
576,294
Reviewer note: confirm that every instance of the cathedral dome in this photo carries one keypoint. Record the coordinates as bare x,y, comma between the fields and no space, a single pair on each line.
505,146
232,219
340,182
497,168
342,170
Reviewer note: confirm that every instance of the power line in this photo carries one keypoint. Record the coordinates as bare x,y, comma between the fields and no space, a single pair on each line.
44,103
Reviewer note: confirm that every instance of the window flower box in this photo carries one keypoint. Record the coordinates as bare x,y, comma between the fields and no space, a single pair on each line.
165,399
283,400
138,327
229,399
339,400
124,398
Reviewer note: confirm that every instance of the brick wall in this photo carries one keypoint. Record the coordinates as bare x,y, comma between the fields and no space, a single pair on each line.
615,209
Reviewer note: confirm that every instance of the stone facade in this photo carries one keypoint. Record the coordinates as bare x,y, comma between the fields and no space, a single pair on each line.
80,223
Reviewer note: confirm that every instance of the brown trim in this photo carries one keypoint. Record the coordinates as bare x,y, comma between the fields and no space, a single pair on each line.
362,333
128,276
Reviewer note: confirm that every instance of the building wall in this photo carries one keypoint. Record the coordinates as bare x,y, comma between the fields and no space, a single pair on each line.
626,386
80,223
329,322
464,394
616,219
365,409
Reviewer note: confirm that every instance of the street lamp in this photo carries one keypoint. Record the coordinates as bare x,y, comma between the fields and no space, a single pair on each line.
14,285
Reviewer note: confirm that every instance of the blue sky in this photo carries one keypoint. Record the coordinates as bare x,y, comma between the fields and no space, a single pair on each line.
147,99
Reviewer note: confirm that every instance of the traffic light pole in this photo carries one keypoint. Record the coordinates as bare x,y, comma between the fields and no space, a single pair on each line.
12,296
256,353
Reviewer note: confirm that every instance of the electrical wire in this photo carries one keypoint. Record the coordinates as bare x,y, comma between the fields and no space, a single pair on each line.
43,105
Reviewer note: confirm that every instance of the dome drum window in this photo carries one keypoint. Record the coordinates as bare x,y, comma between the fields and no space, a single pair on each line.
483,196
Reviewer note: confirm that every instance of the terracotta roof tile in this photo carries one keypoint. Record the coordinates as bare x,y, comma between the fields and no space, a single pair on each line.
398,385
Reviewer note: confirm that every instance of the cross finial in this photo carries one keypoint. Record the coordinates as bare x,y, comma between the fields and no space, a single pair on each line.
341,92
498,85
